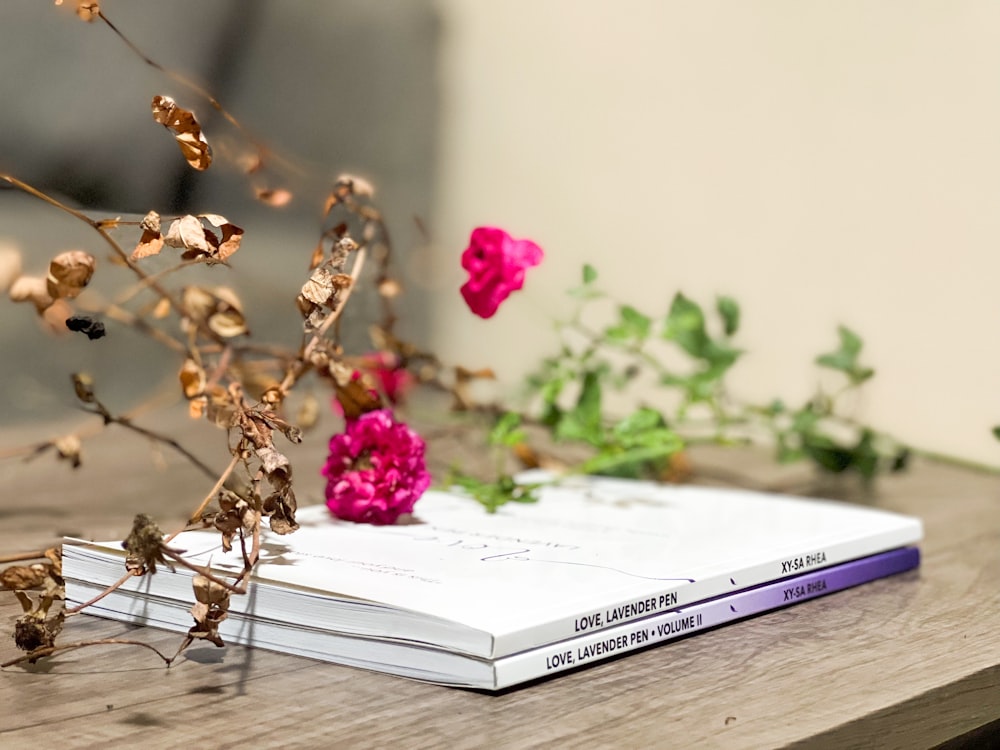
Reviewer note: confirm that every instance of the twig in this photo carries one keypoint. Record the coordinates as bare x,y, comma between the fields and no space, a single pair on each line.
113,587
208,498
125,422
261,149
19,556
38,653
179,559
302,362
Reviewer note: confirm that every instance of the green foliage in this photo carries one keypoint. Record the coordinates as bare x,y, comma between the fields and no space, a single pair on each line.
507,430
491,495
845,359
590,361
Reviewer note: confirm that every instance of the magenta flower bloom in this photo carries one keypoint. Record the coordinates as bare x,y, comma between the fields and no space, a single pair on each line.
376,470
496,263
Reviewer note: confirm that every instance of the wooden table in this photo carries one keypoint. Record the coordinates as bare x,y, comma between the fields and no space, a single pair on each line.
906,662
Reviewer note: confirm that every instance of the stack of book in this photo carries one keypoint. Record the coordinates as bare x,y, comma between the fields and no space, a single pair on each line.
597,568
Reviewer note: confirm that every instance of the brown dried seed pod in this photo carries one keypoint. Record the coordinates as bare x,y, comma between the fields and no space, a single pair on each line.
69,273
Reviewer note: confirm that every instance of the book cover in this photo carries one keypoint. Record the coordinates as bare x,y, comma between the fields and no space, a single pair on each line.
591,554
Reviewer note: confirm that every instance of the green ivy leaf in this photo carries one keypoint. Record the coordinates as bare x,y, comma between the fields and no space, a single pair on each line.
685,326
639,422
632,326
506,432
845,359
587,290
583,422
629,461
729,311
491,495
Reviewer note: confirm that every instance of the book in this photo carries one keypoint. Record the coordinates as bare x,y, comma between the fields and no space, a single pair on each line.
591,554
460,670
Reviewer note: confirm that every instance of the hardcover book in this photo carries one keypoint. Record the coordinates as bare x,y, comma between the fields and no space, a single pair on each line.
592,555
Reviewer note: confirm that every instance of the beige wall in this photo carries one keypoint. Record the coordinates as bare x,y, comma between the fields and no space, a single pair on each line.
823,162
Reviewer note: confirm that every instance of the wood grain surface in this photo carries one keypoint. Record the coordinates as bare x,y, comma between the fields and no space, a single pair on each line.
906,662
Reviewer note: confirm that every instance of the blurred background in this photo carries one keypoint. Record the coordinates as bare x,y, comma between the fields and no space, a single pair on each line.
824,163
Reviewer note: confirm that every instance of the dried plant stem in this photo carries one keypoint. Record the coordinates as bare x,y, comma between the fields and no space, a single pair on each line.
249,561
187,83
113,587
128,318
98,226
203,571
151,278
303,360
38,653
193,518
157,437
19,556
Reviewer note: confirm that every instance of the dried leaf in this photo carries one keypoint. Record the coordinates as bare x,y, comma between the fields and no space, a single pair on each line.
197,407
319,288
347,184
357,397
218,308
68,447
280,509
144,544
35,629
20,577
149,244
220,409
162,309
186,130
209,592
232,236
228,323
192,378
150,222
188,232
86,10
151,241
389,288
272,460
277,197
69,273
83,385
317,256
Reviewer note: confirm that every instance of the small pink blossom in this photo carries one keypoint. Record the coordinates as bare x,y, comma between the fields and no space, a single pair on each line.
393,378
376,470
496,263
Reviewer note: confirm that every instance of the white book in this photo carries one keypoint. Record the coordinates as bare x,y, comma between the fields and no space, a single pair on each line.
459,670
593,553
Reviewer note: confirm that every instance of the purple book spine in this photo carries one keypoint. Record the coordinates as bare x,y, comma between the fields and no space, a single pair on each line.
711,613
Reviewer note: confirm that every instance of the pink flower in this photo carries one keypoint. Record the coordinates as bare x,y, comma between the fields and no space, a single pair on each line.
394,379
376,469
496,263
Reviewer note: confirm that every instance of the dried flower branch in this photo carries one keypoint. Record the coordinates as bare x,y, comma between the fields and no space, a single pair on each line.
187,132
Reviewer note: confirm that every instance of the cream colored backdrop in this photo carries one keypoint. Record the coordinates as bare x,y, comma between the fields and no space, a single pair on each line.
823,162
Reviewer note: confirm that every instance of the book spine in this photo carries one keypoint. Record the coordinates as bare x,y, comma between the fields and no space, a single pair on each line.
613,641
687,592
